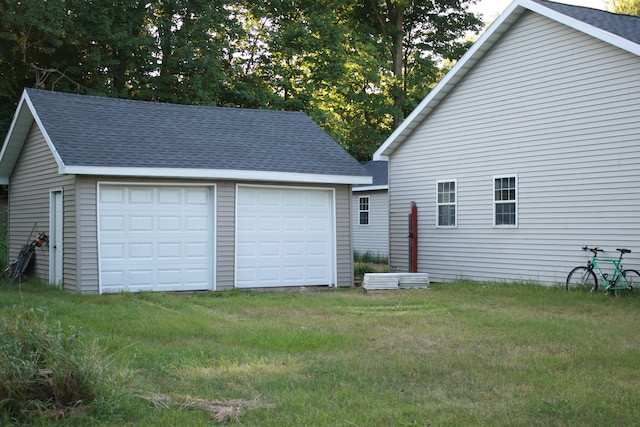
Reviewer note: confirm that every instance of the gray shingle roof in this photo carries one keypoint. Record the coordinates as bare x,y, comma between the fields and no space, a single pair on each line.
379,169
110,132
625,26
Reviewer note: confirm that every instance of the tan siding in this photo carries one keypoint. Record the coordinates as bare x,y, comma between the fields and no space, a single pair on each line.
343,236
558,109
34,176
87,236
226,238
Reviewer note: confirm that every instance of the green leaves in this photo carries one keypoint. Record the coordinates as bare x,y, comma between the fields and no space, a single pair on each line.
357,68
628,7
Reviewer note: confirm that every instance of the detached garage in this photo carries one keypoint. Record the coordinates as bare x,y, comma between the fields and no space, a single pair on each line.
143,196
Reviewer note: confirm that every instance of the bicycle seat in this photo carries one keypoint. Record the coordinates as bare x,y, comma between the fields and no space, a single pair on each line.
624,251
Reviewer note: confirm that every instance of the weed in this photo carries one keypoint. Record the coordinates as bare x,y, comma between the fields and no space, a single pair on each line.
47,370
369,257
359,269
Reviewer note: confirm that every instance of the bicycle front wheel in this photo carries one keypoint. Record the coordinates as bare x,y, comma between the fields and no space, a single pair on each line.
582,279
633,278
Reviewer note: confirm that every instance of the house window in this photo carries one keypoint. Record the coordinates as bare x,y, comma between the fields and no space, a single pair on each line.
364,210
505,200
446,204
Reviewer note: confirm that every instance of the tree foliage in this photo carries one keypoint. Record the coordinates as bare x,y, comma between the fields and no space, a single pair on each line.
628,7
357,68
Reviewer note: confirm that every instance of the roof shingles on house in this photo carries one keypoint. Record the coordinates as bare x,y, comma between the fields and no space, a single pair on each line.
110,133
380,172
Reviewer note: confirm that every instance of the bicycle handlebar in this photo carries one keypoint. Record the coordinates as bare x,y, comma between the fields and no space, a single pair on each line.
594,250
597,249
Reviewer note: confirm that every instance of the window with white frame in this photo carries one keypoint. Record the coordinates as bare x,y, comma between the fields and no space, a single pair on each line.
505,200
364,210
446,203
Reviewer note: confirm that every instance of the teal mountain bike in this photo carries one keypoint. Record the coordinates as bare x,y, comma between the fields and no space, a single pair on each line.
585,278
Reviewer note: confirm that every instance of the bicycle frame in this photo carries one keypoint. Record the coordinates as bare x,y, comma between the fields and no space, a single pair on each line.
617,281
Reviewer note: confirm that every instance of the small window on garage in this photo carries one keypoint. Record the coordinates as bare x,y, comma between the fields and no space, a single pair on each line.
447,201
364,210
505,200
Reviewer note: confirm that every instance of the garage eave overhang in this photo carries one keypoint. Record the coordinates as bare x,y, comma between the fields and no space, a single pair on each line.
220,174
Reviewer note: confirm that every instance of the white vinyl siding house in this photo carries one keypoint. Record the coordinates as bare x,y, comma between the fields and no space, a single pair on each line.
139,226
370,207
373,236
545,107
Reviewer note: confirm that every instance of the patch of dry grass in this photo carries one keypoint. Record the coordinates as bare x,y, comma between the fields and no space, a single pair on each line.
220,411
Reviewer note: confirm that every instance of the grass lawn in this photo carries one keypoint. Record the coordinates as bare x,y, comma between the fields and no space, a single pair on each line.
456,354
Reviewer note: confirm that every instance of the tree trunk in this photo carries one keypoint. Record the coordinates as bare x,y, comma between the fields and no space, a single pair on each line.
397,55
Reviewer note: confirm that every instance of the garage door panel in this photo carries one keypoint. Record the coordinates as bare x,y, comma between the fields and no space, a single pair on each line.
113,195
140,196
318,249
284,237
141,277
112,222
170,196
154,238
293,224
317,273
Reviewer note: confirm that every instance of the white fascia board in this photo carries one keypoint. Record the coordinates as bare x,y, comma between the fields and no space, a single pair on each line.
370,188
19,129
226,174
55,153
15,138
12,126
473,55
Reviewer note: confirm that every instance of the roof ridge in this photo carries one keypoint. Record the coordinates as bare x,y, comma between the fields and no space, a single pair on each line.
103,98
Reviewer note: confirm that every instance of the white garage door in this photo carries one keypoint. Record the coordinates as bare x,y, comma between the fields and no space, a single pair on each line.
285,237
155,238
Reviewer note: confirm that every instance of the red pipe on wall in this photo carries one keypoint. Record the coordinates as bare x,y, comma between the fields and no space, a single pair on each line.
413,238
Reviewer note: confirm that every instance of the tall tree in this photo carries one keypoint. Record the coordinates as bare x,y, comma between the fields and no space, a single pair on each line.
418,34
112,44
31,32
358,68
191,38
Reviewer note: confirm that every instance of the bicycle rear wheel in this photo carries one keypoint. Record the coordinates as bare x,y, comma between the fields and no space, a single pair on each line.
633,278
582,279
